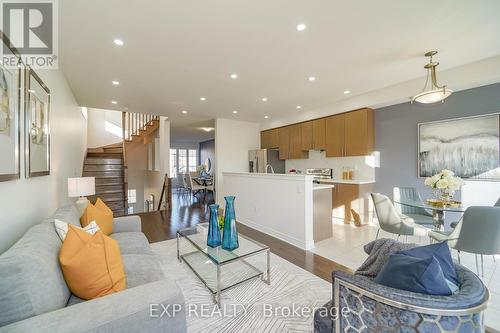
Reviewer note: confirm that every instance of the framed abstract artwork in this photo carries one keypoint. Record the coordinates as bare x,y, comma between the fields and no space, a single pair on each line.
470,147
10,115
37,125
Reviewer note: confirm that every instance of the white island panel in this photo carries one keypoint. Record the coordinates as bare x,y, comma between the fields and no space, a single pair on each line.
280,205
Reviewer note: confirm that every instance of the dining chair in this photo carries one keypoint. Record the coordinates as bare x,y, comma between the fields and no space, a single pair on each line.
194,187
478,232
391,221
180,182
418,214
185,182
454,224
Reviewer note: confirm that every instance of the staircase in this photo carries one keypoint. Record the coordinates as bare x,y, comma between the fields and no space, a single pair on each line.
108,164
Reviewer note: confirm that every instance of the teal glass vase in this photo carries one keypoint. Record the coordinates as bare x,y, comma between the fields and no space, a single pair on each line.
214,238
230,235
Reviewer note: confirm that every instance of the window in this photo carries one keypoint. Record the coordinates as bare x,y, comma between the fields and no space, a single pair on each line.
193,159
173,162
182,161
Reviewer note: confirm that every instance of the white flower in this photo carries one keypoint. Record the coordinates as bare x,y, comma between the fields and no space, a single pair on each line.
442,184
447,173
455,183
429,182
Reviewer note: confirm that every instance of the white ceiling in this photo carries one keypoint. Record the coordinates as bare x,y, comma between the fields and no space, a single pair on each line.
178,51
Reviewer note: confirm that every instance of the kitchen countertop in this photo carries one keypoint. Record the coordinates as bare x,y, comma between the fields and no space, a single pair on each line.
343,181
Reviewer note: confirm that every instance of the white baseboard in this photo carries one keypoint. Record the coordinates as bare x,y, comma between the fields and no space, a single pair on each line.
275,233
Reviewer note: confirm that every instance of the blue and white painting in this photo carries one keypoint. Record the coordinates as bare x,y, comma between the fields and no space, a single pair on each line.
470,147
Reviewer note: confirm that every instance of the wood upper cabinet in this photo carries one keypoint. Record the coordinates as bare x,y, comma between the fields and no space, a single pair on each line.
295,137
350,134
359,133
269,139
335,136
318,131
345,134
306,130
284,142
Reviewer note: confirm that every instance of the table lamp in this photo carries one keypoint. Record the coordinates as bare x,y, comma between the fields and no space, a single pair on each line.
81,187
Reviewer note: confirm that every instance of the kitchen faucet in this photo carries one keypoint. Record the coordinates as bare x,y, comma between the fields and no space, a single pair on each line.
269,166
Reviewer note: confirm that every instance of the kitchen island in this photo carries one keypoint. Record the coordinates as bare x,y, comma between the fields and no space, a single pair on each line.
286,206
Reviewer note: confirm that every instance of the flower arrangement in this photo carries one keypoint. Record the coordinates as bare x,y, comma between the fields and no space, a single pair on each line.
221,222
445,183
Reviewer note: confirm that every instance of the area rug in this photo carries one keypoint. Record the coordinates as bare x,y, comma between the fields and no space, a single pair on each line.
287,305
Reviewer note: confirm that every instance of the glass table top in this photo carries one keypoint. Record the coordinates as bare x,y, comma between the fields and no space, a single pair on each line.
197,236
425,205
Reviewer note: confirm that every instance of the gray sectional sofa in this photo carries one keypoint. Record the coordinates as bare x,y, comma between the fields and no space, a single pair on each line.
35,298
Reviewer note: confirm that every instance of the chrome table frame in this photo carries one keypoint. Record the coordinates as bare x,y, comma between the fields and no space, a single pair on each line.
438,213
216,295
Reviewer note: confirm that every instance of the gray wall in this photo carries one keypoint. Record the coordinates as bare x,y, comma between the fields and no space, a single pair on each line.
207,150
396,133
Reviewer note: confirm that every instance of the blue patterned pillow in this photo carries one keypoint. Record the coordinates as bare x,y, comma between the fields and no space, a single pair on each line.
418,275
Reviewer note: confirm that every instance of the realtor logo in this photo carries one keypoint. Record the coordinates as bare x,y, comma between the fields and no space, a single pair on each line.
31,27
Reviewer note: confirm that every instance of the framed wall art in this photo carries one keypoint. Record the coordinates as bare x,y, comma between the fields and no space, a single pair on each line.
470,147
37,125
10,116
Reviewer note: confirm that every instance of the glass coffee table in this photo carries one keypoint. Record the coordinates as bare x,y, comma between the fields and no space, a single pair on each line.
221,269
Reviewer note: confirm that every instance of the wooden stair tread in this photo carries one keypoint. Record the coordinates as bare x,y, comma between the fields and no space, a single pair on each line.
102,161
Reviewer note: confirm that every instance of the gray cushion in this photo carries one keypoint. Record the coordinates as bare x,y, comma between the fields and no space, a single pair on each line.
132,243
139,269
31,281
68,214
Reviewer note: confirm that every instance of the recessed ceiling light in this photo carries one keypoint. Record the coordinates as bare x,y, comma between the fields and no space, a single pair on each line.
312,78
234,76
203,99
118,42
266,117
298,107
264,99
115,83
207,129
184,111
301,27
235,112
114,102
347,92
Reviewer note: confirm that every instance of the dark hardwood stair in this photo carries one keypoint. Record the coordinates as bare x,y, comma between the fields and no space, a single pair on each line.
106,165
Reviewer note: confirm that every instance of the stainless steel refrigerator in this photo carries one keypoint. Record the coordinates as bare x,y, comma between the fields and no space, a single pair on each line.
265,161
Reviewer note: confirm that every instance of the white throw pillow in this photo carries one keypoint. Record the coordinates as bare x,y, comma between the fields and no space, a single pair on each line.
62,228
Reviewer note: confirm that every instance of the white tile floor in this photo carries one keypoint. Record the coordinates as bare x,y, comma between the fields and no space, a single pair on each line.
346,248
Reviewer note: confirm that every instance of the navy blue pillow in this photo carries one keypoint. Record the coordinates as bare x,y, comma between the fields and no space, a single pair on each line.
414,274
441,252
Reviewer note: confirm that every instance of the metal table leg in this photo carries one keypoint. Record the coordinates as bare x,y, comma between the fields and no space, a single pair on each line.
268,267
438,217
178,257
218,286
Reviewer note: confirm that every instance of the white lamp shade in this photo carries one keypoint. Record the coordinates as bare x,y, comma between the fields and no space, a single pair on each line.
81,186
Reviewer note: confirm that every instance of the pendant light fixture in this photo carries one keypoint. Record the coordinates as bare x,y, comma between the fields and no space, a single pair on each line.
434,93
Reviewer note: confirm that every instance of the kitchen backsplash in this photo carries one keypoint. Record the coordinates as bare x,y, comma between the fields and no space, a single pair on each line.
363,165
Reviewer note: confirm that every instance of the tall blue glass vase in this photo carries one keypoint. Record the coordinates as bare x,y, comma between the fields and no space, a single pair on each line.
230,235
214,238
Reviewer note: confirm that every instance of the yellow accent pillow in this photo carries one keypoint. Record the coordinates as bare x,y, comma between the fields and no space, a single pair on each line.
91,264
101,214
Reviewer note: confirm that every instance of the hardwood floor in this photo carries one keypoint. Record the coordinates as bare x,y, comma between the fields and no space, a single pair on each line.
188,211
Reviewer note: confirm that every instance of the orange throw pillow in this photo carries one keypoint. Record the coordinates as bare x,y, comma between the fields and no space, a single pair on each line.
91,264
101,214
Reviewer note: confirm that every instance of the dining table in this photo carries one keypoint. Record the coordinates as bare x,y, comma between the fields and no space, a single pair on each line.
438,210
